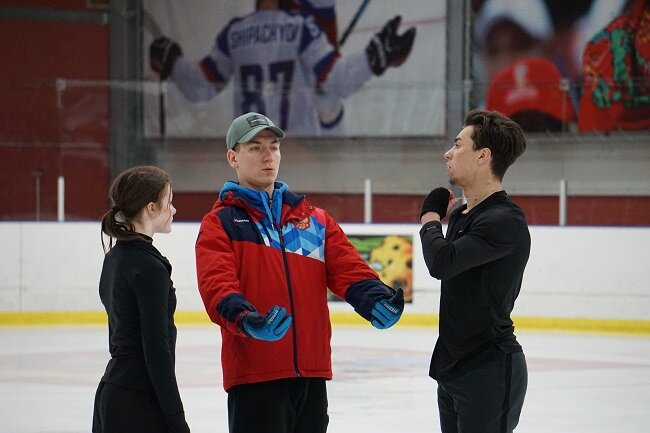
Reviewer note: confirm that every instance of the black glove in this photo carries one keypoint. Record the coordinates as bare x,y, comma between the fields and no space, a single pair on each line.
163,53
436,201
387,48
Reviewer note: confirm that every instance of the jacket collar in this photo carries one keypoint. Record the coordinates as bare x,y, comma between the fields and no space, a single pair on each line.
233,194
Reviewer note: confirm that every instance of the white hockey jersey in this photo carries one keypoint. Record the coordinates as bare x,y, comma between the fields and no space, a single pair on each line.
276,60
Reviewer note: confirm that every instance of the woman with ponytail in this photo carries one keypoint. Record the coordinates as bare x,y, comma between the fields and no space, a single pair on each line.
138,392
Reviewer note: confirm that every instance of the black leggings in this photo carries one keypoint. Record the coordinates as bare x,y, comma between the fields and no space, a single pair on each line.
124,410
296,405
487,399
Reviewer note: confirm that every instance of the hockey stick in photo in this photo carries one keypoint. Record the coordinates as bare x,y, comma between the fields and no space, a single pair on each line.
353,22
150,24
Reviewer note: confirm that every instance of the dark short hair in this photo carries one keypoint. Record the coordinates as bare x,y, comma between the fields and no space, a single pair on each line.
503,136
130,192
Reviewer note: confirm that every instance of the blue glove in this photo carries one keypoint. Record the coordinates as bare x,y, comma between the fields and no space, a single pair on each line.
387,312
269,328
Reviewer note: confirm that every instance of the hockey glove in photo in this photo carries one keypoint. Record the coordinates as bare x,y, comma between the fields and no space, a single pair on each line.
163,53
387,48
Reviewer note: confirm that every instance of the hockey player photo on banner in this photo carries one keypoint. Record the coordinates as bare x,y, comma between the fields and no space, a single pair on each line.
317,67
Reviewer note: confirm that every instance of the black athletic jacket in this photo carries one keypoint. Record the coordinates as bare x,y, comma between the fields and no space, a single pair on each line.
140,300
480,263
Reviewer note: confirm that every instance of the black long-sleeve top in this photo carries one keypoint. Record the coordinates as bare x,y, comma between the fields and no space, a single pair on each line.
480,263
138,294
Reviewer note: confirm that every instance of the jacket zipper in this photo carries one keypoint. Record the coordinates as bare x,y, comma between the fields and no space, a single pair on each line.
293,321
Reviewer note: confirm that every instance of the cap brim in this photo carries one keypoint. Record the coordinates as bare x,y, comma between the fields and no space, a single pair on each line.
253,132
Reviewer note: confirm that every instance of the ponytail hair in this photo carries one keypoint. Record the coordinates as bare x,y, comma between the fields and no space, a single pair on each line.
130,192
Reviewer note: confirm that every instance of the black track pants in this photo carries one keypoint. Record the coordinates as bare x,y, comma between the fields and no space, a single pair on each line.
279,406
487,399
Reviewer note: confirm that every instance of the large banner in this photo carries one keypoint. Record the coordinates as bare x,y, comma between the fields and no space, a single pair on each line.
564,66
391,256
315,67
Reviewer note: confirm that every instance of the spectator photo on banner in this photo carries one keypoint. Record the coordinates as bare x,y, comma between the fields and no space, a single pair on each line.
564,66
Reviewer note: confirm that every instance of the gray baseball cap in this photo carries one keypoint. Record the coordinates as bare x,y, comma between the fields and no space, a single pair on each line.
248,126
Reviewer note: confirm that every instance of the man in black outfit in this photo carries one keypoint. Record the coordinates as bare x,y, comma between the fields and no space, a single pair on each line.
478,363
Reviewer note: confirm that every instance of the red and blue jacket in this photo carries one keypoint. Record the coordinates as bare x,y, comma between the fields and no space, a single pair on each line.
252,253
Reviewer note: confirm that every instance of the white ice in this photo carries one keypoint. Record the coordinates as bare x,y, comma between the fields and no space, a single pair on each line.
578,383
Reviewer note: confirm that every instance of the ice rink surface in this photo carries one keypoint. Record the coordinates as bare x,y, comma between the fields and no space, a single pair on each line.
578,383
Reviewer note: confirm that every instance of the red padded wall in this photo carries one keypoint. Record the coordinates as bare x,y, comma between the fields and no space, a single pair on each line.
61,133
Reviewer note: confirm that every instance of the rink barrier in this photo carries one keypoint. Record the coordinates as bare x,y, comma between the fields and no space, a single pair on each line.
415,320
599,273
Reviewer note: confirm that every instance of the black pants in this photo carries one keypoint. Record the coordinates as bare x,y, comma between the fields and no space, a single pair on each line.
124,410
279,406
487,399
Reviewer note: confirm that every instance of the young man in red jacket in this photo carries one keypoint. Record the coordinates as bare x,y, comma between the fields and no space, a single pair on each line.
265,258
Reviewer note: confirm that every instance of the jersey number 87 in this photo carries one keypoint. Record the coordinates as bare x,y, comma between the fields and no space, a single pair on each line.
280,75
